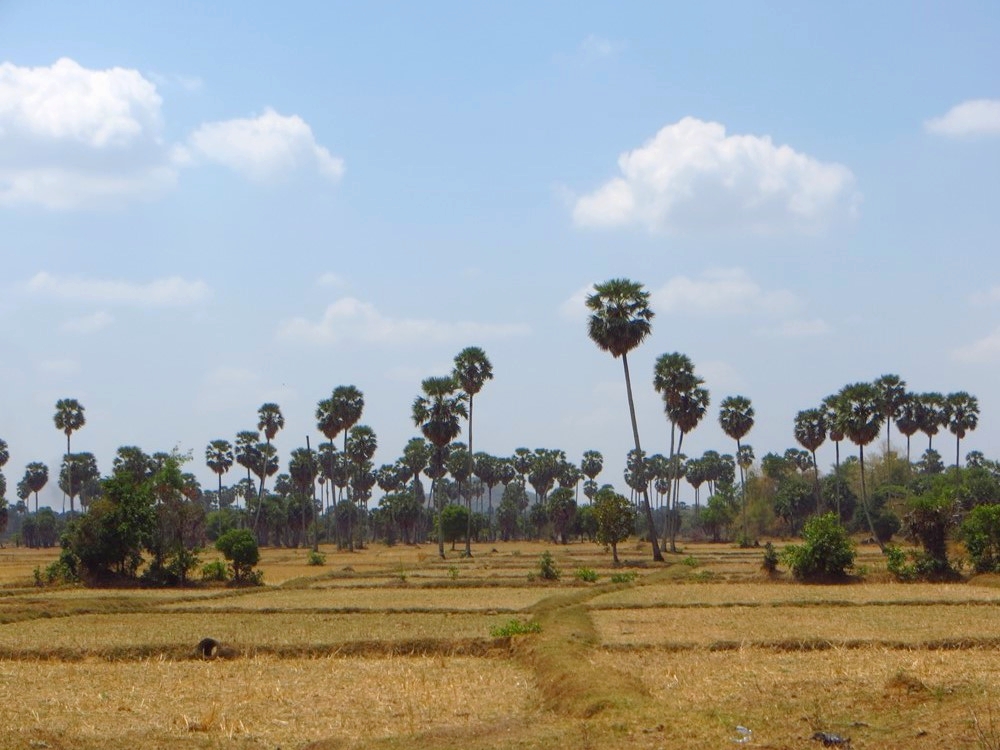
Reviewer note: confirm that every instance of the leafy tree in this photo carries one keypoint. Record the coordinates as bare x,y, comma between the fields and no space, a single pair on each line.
981,533
69,418
453,520
239,547
827,552
437,413
219,458
810,433
791,500
963,416
736,418
930,462
132,461
619,322
615,519
928,521
561,507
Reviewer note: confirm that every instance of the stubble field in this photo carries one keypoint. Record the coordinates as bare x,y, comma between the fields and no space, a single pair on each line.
391,648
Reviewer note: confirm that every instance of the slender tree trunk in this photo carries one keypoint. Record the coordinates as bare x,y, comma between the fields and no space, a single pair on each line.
816,475
907,449
350,515
957,441
657,555
864,500
840,480
675,486
468,521
670,463
743,494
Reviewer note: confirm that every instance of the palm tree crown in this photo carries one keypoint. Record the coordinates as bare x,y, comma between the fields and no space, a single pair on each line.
270,420
620,316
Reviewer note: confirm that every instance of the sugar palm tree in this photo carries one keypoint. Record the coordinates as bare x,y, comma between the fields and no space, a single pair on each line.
908,419
472,370
861,417
219,458
69,418
592,464
269,421
36,476
810,432
360,445
245,453
620,321
963,416
4,453
303,468
437,412
931,414
891,394
736,417
685,411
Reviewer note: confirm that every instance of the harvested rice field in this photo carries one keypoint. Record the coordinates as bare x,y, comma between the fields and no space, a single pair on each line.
395,648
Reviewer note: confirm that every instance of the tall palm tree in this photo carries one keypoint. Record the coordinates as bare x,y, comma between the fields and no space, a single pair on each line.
303,468
359,448
437,413
891,394
269,421
736,419
592,464
328,422
810,432
472,370
908,419
348,404
932,415
963,416
4,453
219,458
36,476
861,417
686,412
69,418
245,453
619,322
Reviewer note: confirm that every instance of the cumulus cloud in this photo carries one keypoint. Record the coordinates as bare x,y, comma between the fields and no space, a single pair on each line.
986,349
265,147
974,117
575,307
985,299
692,176
351,319
172,291
88,324
72,136
722,291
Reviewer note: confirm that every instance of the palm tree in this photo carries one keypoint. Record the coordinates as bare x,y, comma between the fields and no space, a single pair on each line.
592,464
908,419
619,322
269,421
36,476
892,394
437,413
303,468
245,454
328,422
472,370
686,412
360,445
77,471
736,419
4,453
963,416
810,432
860,414
931,414
69,418
219,458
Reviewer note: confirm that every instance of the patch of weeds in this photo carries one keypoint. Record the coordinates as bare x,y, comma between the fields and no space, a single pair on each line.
704,575
515,627
215,571
770,563
626,577
315,557
690,561
589,575
453,572
547,569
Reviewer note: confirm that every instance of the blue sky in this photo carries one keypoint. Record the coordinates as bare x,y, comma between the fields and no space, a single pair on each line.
206,206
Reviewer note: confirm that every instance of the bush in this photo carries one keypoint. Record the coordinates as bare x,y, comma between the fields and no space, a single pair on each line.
240,548
588,575
626,577
981,533
214,571
547,569
770,563
828,553
896,563
514,627
315,557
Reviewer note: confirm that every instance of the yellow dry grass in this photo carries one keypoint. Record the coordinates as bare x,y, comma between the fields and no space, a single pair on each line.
259,702
702,627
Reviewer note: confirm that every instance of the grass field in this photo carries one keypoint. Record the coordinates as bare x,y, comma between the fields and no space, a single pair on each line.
392,648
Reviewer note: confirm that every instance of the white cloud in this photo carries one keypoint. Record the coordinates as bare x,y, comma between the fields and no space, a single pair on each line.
87,324
798,329
727,291
59,368
71,136
265,147
172,291
575,308
985,299
720,376
351,319
974,117
692,176
986,349
177,80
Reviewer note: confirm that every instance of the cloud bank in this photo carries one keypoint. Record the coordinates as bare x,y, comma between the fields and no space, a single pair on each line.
971,118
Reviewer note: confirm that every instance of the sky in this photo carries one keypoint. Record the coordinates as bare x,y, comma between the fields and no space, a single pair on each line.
205,206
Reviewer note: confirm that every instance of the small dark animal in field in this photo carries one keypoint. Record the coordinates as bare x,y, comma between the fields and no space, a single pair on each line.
209,648
832,740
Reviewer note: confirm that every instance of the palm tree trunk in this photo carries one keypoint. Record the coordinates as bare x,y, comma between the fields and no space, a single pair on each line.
816,474
864,501
657,555
957,441
840,479
468,521
676,491
670,463
743,494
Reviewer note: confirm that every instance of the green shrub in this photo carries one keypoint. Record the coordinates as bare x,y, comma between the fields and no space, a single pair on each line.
214,571
240,548
453,572
515,627
690,561
896,563
981,533
586,574
770,563
827,553
315,557
547,569
626,577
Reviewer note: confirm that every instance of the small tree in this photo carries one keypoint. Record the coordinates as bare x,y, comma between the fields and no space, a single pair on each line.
239,547
454,521
981,533
828,552
615,519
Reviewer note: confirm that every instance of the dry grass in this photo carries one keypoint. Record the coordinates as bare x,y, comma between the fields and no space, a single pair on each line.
261,702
